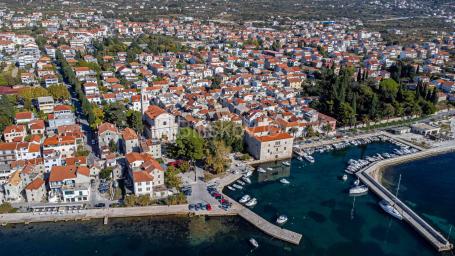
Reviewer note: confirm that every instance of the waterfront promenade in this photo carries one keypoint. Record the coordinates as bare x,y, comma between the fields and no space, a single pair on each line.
370,176
158,210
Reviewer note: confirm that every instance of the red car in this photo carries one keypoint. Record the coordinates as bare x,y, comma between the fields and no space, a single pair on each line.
208,207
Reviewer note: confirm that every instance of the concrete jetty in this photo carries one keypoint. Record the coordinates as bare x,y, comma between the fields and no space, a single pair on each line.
426,230
269,228
253,218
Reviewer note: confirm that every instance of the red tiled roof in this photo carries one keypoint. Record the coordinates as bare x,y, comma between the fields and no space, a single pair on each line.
129,134
154,111
142,176
277,136
35,184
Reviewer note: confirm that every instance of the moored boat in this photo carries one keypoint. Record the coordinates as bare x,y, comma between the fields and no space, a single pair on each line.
261,170
286,163
282,219
358,190
356,182
231,188
252,202
254,243
344,177
388,208
284,181
244,199
308,158
237,186
246,179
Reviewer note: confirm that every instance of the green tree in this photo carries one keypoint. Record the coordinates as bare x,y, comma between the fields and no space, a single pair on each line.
59,91
116,113
135,121
189,144
347,114
7,111
171,178
310,132
82,151
389,89
7,208
217,156
106,173
113,146
31,93
98,116
388,110
230,133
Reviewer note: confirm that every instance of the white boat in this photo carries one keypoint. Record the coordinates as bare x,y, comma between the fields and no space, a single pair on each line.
282,219
244,199
248,174
356,182
286,163
358,190
261,170
254,243
285,181
252,202
269,169
309,158
246,179
348,171
237,186
344,177
231,188
241,182
388,208
300,158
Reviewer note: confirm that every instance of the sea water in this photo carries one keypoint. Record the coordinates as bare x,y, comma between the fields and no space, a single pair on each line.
317,203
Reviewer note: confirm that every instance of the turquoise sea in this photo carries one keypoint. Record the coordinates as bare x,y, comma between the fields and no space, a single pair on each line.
316,202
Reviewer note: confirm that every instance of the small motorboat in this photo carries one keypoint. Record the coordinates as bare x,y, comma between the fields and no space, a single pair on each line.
231,188
388,208
241,182
282,219
254,243
261,170
246,179
358,190
237,186
285,181
300,158
248,174
269,169
309,158
344,177
286,163
244,199
252,202
356,182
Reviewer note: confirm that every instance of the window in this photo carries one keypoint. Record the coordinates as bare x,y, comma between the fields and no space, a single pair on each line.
164,123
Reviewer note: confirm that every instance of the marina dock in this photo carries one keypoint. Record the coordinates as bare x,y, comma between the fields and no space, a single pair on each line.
426,230
253,218
269,228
